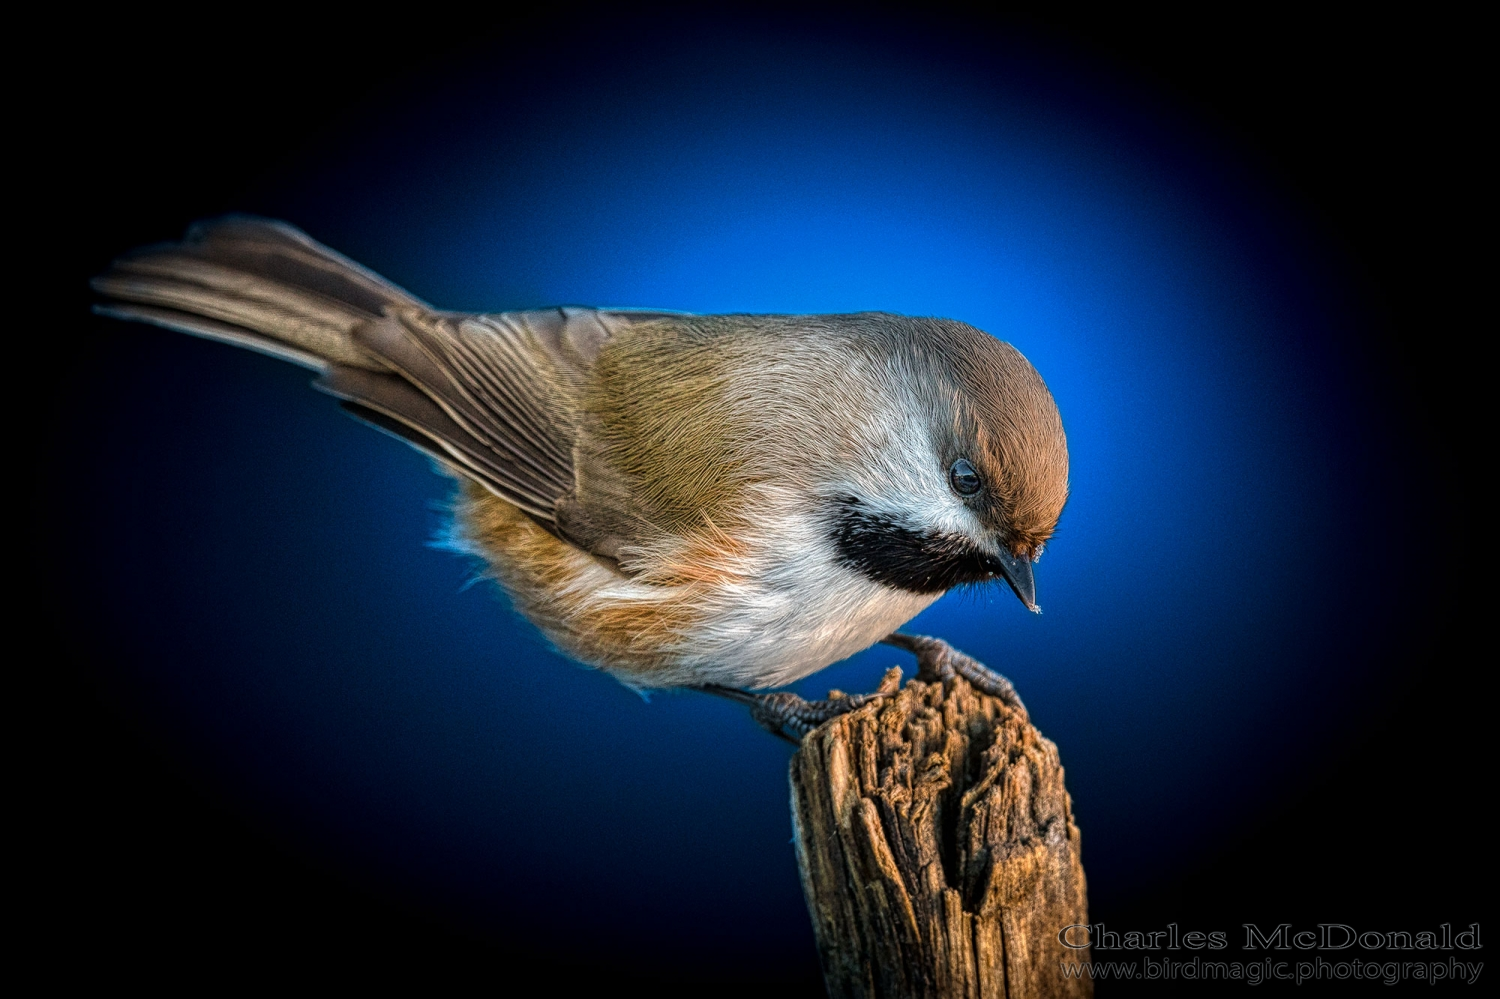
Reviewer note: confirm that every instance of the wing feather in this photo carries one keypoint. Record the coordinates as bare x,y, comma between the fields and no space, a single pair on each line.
418,351
421,422
491,362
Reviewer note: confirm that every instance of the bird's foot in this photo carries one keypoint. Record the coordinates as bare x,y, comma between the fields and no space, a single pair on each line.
938,661
789,717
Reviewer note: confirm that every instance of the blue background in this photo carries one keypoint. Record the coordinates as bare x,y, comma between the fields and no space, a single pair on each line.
1218,607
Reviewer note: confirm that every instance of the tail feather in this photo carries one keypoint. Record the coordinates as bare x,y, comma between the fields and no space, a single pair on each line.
212,329
258,284
287,254
478,393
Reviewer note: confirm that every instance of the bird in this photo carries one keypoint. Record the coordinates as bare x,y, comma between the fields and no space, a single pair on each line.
727,503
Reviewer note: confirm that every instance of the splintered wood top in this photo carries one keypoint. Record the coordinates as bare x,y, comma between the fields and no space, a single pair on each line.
938,851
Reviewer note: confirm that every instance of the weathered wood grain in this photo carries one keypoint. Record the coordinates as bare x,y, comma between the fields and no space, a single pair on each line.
937,847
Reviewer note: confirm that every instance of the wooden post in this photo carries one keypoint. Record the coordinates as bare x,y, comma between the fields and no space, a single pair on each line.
937,848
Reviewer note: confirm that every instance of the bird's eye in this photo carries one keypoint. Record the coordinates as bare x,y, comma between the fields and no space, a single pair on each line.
963,478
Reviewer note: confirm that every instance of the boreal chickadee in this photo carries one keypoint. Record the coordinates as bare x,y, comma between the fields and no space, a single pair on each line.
680,500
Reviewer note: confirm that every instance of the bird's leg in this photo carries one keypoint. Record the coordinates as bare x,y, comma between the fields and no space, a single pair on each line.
938,661
789,717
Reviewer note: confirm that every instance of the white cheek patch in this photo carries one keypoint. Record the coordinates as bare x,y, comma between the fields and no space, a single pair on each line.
899,477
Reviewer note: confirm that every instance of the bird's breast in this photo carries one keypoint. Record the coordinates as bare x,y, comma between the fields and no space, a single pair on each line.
758,604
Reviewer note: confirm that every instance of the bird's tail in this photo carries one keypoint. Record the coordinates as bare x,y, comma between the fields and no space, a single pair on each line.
258,284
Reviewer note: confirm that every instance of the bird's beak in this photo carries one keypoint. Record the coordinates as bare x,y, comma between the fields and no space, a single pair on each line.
1017,572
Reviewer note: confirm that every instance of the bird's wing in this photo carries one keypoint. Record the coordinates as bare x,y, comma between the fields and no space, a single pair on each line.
495,396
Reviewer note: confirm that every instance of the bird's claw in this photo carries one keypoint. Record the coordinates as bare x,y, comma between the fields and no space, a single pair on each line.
938,661
790,717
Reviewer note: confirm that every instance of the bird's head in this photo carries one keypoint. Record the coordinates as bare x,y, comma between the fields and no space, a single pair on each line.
966,471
